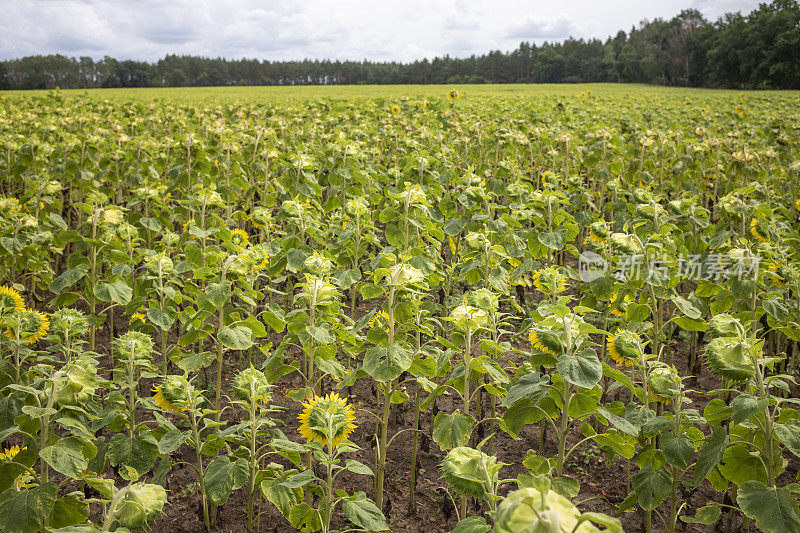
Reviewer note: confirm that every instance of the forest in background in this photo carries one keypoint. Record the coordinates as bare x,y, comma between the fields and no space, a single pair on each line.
749,51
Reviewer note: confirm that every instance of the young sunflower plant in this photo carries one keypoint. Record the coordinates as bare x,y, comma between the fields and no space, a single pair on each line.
326,423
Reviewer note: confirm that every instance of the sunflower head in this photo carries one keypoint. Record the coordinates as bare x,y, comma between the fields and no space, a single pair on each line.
174,394
729,357
379,320
134,345
251,385
624,347
598,233
10,453
327,420
549,280
546,341
10,301
395,109
452,94
471,472
239,237
468,317
665,384
618,305
27,325
758,231
69,323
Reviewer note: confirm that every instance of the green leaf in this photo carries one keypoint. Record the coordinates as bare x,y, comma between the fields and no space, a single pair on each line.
530,386
299,480
789,435
161,317
678,450
716,411
358,468
651,486
217,294
452,430
224,476
363,513
69,510
24,511
581,370
305,518
690,324
686,307
386,364
67,279
321,334
117,292
705,515
710,454
622,424
370,291
235,338
472,524
171,441
746,405
773,508
281,496
139,452
194,361
739,465
66,457
553,240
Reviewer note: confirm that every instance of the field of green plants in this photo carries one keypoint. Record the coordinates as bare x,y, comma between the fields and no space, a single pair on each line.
519,309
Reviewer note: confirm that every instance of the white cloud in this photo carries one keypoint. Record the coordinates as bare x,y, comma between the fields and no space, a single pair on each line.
296,29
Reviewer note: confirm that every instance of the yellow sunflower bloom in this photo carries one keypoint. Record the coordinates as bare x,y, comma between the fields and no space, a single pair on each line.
173,394
10,301
395,109
379,319
240,237
544,342
624,347
327,420
10,453
453,95
755,231
28,326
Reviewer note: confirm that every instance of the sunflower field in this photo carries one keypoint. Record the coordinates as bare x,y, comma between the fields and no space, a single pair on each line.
571,309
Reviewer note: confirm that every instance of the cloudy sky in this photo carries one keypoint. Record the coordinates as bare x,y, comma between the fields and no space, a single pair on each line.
337,29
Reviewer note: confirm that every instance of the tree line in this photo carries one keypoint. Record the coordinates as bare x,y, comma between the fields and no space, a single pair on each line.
757,50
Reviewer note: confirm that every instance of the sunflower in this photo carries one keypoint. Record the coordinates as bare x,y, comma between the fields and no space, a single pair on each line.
173,394
379,319
10,453
240,237
395,109
28,326
327,420
545,341
137,317
797,204
452,94
251,384
10,301
624,347
546,279
664,384
776,277
619,309
594,237
755,231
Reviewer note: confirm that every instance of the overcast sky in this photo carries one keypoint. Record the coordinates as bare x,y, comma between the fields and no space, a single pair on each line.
338,29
